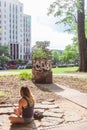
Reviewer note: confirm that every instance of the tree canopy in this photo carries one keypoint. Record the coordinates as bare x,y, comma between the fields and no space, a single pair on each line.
4,54
40,50
72,14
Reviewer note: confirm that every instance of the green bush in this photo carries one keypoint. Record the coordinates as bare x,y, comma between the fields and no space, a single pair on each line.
25,76
29,66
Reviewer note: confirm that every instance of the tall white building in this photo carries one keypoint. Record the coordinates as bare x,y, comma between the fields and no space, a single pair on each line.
15,29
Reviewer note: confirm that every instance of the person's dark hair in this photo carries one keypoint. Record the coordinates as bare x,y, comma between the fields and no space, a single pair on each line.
26,92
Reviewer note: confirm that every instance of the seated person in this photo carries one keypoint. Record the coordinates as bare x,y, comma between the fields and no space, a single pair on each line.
25,111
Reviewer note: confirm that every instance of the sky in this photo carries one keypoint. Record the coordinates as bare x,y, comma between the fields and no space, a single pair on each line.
43,27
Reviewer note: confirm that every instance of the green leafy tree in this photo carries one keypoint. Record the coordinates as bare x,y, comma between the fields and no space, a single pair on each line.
39,54
4,55
4,51
72,14
41,44
70,54
55,56
40,50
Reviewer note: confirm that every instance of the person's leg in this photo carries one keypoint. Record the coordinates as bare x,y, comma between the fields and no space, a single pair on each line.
28,120
16,119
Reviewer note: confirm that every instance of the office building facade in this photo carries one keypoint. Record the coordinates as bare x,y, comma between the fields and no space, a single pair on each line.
15,29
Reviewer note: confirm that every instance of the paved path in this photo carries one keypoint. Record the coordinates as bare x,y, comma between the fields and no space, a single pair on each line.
74,96
79,75
79,126
7,72
68,93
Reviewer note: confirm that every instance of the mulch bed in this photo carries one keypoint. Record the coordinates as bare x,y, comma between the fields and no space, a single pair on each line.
72,82
10,90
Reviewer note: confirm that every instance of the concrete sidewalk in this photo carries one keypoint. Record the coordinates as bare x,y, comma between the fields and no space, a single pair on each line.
72,95
79,126
68,93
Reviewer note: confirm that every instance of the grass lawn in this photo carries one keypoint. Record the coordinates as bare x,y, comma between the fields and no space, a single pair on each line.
64,70
21,70
54,70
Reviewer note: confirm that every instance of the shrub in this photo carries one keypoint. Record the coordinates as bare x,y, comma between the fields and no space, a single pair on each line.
29,66
25,76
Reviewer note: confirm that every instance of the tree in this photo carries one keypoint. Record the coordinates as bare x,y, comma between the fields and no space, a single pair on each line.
40,50
4,55
4,50
72,14
55,56
70,54
82,39
39,54
41,44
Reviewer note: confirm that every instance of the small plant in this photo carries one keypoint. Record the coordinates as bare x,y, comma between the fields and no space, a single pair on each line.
25,76
1,94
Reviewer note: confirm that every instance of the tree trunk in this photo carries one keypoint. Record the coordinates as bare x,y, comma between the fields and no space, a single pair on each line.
82,39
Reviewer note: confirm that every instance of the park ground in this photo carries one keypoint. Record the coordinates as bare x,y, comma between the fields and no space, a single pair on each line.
10,88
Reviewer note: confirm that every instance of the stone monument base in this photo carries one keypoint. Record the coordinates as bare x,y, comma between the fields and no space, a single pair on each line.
42,78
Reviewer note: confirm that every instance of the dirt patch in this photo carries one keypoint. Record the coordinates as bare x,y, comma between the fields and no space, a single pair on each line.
10,90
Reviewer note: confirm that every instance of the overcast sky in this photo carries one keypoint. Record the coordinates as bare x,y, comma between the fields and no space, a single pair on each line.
43,27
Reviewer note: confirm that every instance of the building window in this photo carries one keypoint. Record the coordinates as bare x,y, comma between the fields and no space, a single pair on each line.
5,4
5,33
21,9
10,15
5,22
13,7
10,36
10,7
5,10
20,30
16,8
4,16
4,27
